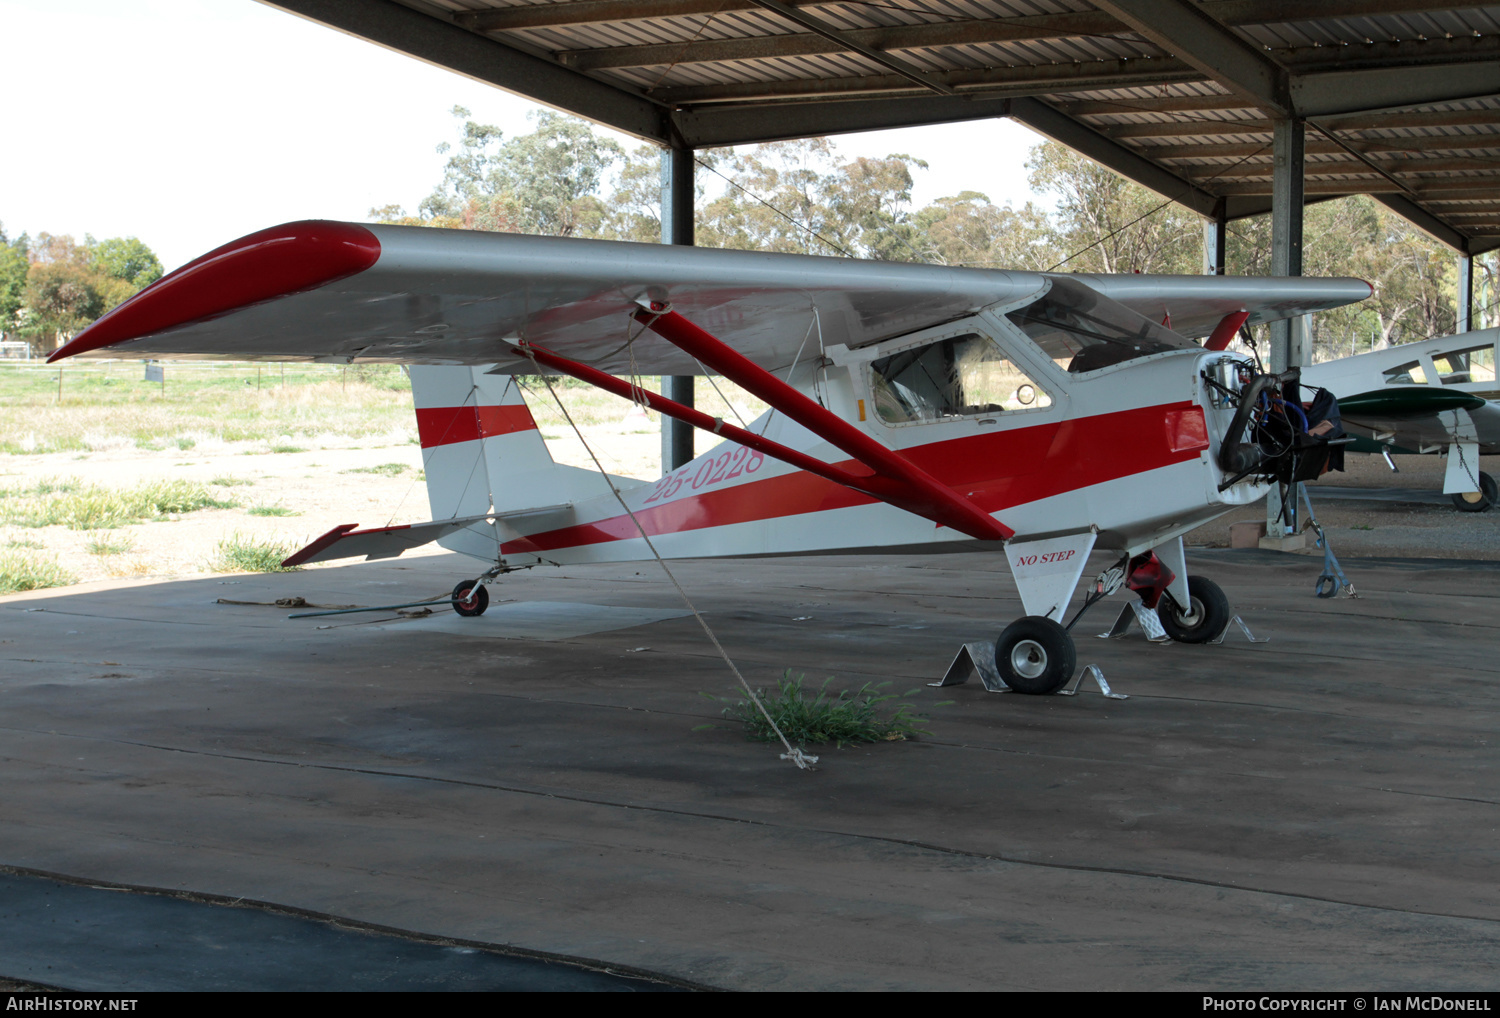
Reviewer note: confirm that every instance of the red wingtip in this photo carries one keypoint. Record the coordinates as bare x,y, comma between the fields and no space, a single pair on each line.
273,263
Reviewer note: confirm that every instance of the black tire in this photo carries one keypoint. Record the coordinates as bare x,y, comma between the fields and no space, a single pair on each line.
1477,501
1206,617
470,598
1035,655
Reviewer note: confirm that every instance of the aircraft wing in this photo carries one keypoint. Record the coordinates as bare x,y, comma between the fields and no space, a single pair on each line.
1195,304
1416,417
338,292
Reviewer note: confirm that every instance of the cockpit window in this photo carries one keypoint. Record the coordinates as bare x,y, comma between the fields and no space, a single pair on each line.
1476,364
1082,330
963,376
1410,373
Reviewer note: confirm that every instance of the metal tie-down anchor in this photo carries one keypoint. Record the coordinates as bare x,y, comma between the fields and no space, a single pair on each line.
975,657
980,657
1237,621
1135,611
1098,681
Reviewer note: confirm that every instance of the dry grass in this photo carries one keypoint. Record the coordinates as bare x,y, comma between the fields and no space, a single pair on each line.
21,570
88,507
240,553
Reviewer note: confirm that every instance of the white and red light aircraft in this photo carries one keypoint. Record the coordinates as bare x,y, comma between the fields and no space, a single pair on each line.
913,407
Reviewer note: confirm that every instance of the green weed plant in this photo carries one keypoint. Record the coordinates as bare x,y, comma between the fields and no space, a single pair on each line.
388,469
21,571
845,718
103,544
239,553
88,507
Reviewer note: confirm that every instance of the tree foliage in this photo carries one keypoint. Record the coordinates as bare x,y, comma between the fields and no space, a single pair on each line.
53,286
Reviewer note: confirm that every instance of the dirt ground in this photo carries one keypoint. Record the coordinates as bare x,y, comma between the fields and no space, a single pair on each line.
330,485
321,488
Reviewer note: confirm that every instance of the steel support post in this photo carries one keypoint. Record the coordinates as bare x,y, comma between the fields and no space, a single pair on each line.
677,193
1465,292
1288,151
1215,232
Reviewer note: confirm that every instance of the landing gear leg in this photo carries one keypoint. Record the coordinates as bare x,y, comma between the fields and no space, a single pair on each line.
1205,617
1035,655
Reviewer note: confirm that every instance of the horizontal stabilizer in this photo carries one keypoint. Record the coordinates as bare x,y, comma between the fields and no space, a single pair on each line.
347,541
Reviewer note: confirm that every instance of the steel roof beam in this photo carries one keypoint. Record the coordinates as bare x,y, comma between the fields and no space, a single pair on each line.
1341,92
1024,80
1229,12
1187,32
1084,139
1187,129
906,70
1349,167
1424,220
707,127
796,44
1235,150
1373,185
1153,104
970,33
446,45
1408,118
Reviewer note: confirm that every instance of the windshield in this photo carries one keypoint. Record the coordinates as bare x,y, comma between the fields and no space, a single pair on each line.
962,376
1082,330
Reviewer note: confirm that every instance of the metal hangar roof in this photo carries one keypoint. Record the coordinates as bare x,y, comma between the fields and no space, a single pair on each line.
1401,97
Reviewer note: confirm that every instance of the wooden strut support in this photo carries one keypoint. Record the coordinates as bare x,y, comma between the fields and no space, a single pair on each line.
905,485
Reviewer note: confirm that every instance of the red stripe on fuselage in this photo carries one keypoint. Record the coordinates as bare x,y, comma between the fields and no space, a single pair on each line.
995,471
445,425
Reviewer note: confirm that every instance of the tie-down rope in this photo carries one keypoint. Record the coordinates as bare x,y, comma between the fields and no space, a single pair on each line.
796,756
1332,581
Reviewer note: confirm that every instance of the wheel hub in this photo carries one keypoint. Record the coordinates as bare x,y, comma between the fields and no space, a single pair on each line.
1028,659
1193,615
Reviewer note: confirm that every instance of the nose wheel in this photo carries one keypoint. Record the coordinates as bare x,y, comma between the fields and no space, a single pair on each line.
1035,655
1205,617
470,598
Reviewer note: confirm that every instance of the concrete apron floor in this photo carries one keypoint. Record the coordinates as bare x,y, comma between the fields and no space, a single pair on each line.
1318,812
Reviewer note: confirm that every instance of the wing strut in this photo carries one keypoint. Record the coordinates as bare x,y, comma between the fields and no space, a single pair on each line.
1226,330
895,491
893,479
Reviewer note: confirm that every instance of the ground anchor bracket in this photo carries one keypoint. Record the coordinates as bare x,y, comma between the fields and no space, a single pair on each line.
1237,621
1098,675
980,657
975,657
1135,611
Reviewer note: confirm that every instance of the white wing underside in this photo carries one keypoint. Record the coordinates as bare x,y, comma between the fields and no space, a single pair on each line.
461,297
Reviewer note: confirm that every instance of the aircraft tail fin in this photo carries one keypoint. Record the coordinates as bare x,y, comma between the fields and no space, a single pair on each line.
485,457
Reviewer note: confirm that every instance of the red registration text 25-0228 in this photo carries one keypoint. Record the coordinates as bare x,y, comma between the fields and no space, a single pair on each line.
724,467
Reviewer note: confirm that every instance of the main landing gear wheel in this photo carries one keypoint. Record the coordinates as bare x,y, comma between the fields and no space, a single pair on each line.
1477,501
1035,655
1205,618
470,598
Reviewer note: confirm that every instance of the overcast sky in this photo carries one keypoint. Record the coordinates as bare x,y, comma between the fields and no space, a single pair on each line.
188,123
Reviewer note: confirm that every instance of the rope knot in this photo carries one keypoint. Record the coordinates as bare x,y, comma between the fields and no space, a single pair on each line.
804,761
